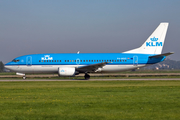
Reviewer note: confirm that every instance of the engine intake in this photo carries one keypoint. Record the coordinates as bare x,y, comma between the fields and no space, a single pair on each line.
65,71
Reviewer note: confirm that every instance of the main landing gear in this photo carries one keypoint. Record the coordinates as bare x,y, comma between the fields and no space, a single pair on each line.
87,76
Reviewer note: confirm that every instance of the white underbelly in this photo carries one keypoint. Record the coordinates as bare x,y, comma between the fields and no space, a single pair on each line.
116,68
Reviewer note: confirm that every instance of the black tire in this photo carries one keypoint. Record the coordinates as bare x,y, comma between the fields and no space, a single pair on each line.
87,76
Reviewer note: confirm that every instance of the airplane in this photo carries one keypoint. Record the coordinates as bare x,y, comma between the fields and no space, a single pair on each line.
71,64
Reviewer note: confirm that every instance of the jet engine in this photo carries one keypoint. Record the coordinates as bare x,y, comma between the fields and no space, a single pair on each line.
65,71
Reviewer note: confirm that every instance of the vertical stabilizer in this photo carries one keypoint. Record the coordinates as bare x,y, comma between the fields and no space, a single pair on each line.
155,42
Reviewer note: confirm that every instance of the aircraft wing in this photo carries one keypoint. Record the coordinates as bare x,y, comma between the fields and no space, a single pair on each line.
161,55
91,68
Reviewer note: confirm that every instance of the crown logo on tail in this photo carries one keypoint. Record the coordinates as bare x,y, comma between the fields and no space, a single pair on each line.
154,39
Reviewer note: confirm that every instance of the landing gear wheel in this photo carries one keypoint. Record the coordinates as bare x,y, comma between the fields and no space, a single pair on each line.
87,76
24,77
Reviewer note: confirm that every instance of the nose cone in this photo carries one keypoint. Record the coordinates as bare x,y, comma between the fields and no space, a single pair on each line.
7,66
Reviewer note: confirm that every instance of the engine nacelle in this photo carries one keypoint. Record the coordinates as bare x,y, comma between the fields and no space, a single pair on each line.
65,71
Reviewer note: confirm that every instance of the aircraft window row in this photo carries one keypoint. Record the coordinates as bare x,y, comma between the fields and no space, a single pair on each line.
49,60
83,60
95,60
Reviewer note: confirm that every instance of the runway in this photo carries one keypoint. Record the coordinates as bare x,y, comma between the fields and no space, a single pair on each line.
29,80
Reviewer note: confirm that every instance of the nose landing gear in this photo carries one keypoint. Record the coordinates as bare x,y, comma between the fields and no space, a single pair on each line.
24,77
22,74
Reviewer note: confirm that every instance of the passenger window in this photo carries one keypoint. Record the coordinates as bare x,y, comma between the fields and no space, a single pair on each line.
72,60
39,60
92,60
57,60
65,60
44,60
49,60
117,60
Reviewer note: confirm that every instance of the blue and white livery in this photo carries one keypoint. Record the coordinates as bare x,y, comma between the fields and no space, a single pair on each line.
72,64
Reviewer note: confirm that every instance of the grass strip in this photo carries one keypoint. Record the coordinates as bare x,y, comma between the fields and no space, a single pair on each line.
84,100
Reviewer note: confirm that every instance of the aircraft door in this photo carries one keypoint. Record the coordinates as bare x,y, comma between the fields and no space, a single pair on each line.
135,60
77,61
28,60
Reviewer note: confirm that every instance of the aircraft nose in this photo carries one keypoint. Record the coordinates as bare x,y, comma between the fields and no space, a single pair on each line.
7,66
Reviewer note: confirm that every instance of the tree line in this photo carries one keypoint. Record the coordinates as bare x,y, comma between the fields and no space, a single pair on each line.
1,66
168,64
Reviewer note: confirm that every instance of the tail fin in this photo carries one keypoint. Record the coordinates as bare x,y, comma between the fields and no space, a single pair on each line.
155,42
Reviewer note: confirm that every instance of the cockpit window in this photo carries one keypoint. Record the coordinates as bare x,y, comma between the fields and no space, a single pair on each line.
15,60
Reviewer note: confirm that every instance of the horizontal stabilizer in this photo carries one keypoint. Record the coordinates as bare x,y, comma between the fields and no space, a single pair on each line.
161,55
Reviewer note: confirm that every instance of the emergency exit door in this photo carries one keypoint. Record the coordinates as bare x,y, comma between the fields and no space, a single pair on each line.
135,60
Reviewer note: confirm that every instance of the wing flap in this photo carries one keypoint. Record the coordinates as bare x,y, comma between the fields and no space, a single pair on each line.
91,68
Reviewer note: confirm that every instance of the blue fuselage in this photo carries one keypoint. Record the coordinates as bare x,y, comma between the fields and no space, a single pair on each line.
35,63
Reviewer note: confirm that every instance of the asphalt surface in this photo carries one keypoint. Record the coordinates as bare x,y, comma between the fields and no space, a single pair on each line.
122,75
27,80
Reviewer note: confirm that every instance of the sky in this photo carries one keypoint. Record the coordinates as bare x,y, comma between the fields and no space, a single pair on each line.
88,26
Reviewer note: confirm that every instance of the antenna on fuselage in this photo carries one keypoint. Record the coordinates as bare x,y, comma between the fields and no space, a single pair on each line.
78,52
